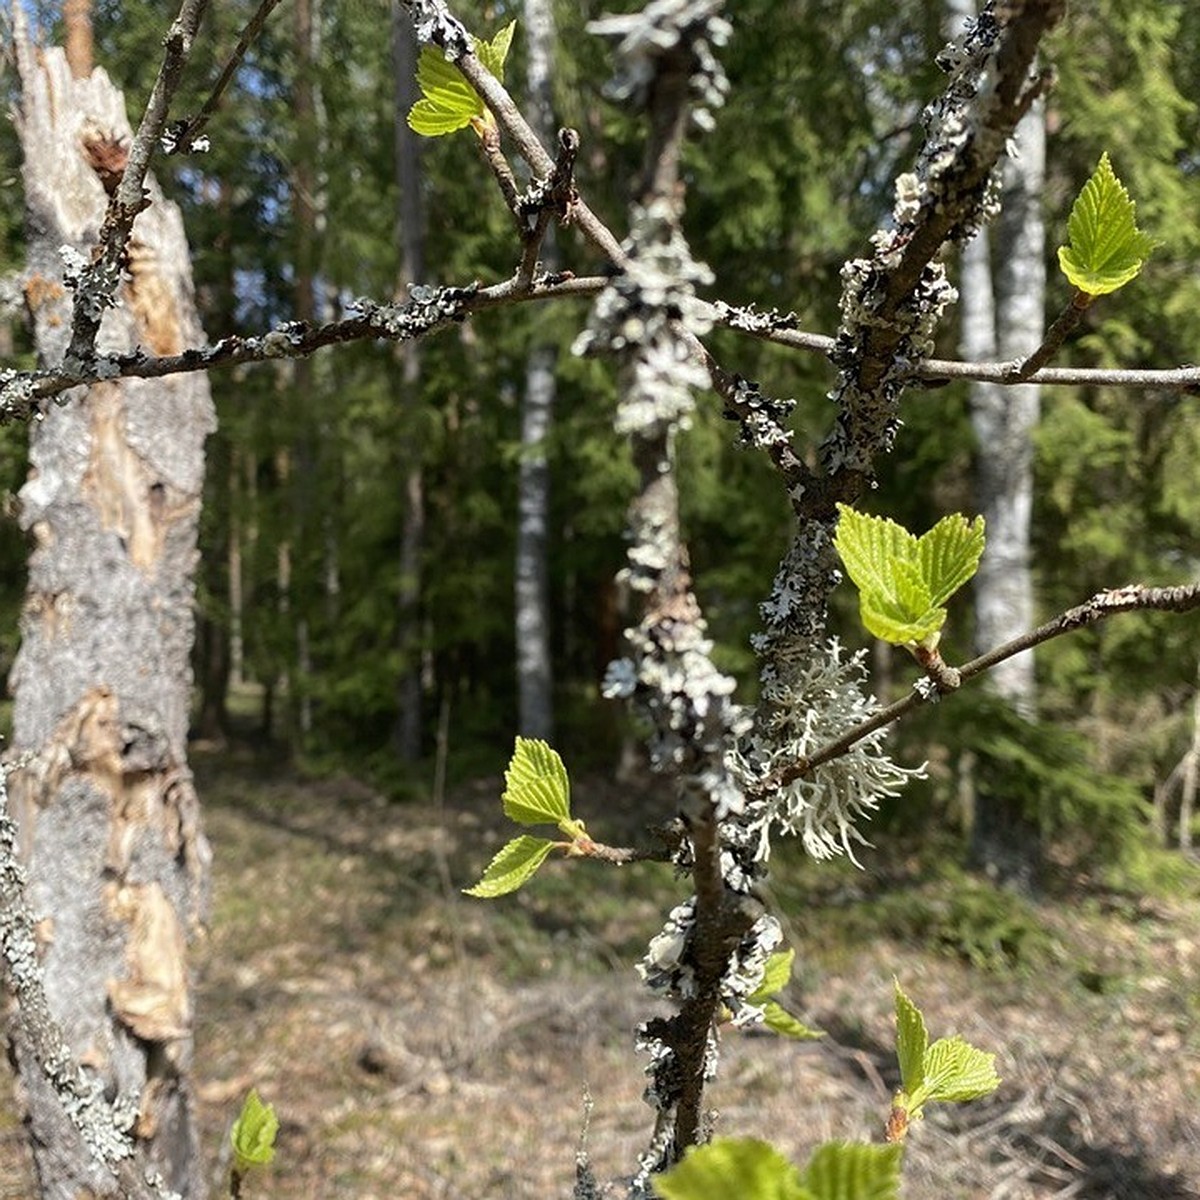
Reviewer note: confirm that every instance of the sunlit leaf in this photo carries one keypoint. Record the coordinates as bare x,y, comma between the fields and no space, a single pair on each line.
956,1071
854,1171
780,1021
253,1133
513,865
537,791
912,1040
1106,248
731,1167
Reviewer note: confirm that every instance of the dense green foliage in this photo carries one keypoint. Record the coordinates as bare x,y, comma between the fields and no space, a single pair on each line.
307,468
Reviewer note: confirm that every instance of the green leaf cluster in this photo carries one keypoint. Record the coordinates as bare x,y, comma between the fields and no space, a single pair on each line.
448,102
754,1170
537,792
1106,248
253,1134
950,1070
904,581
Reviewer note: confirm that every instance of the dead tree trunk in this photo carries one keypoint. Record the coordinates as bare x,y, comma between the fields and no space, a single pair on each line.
108,813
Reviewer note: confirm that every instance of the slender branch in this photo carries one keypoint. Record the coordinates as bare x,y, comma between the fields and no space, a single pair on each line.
1131,598
1065,322
511,120
781,330
182,137
431,310
96,285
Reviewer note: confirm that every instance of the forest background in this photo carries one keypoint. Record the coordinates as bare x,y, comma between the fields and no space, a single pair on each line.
305,591
360,656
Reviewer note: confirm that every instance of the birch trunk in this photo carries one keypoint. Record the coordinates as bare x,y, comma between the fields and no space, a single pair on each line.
1003,316
535,678
410,222
108,813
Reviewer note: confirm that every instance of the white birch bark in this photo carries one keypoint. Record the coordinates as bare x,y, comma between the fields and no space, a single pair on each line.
535,676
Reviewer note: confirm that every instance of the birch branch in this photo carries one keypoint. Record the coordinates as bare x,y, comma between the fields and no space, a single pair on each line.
184,135
429,311
1131,598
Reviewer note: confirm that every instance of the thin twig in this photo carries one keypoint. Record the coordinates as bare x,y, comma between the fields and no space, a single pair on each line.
96,287
781,330
183,136
1066,321
22,391
511,120
1132,598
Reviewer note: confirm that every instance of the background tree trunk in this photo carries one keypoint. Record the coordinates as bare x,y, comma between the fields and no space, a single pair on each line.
535,678
109,817
1002,313
410,226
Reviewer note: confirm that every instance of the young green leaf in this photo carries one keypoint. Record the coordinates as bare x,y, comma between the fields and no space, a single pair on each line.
513,865
537,791
775,976
448,102
904,581
729,1167
253,1133
492,54
854,1171
780,1021
912,1040
956,1071
950,554
1106,247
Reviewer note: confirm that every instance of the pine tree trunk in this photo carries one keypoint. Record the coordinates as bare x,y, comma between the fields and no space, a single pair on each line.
109,817
535,678
410,221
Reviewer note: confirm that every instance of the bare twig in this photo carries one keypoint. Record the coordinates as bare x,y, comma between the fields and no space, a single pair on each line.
96,285
1132,598
782,330
1055,336
430,310
182,137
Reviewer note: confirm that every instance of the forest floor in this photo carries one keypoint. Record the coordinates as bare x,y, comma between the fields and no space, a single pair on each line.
419,1044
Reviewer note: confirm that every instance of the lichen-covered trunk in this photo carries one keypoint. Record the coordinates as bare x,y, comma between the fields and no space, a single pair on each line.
108,814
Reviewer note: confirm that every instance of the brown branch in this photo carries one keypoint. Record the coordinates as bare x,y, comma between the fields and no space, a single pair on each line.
96,286
1131,598
511,120
782,331
181,138
1066,321
22,391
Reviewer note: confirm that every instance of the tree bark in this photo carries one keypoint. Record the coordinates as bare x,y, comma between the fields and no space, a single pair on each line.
109,817
410,225
1003,316
535,677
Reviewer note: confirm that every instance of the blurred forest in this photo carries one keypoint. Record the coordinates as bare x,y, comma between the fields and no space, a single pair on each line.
324,622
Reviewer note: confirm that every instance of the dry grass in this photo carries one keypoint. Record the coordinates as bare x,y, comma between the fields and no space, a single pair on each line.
418,1044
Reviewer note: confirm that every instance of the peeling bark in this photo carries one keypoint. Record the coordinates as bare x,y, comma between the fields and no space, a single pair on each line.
108,813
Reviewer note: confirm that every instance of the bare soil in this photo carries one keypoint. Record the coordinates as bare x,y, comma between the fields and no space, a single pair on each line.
420,1044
